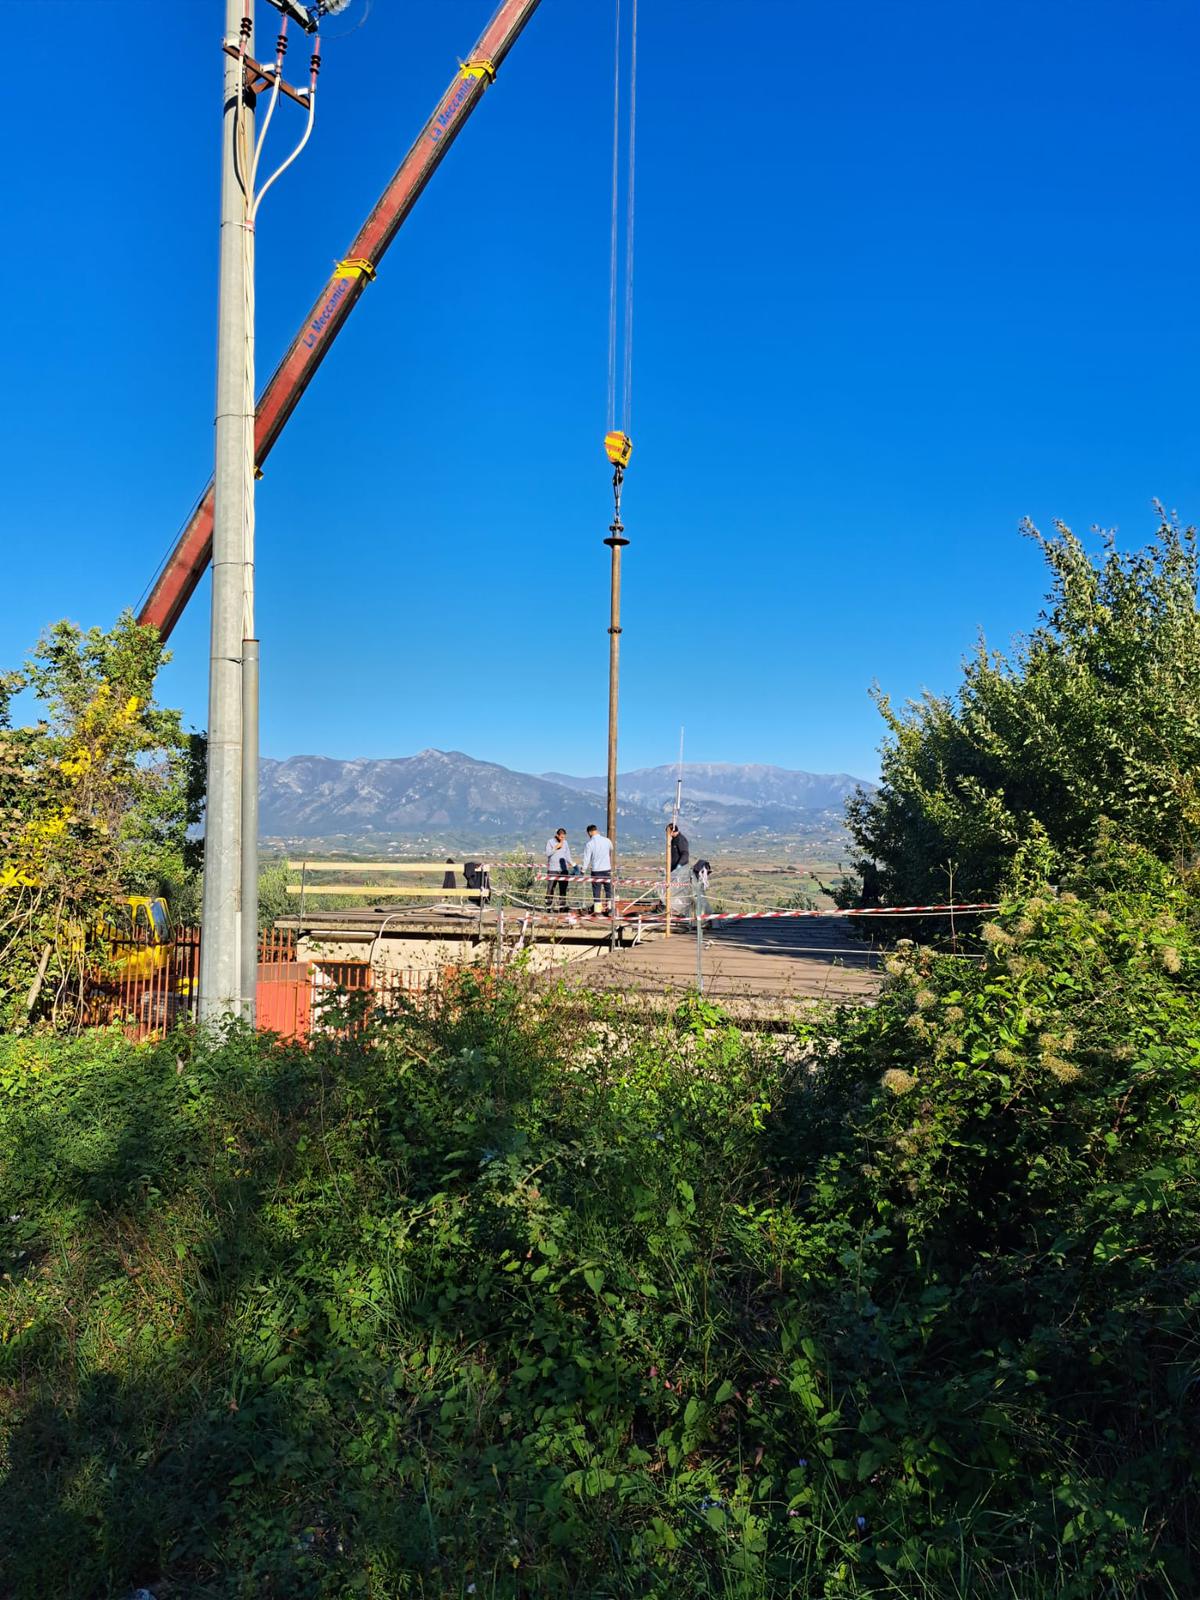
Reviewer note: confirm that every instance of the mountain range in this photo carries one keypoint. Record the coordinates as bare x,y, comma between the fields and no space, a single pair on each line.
443,794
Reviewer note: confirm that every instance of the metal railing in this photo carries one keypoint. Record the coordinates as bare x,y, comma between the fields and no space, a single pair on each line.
147,987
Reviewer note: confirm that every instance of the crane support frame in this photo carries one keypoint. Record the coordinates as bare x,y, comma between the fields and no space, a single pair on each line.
184,567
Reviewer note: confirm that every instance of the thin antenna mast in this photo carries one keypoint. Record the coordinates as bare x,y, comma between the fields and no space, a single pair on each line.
674,823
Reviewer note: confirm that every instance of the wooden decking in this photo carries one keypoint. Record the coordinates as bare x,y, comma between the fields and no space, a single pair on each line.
758,968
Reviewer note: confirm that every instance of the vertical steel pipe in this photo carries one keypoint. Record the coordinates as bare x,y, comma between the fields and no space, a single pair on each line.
616,542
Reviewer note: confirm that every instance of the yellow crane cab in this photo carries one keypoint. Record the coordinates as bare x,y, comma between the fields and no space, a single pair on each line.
140,937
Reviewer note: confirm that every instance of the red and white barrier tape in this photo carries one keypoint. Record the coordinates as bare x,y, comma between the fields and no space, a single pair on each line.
865,911
541,875
944,908
586,877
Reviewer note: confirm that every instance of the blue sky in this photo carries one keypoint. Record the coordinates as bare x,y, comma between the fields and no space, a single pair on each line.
905,274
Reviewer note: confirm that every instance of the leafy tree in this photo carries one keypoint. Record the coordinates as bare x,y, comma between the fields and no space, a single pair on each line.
96,799
1096,715
273,898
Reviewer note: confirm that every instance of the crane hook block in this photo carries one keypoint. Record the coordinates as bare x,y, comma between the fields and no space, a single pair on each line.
618,447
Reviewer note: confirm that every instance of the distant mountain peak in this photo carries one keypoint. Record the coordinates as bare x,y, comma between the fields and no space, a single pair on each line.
728,783
447,793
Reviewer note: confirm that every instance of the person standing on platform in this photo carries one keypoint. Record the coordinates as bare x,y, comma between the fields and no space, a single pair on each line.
681,874
558,868
598,860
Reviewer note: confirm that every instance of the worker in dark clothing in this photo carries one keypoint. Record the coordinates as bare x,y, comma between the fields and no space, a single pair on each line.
449,881
679,848
475,874
681,877
872,884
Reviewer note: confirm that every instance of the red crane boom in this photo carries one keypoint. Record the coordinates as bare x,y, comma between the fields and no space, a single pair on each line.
184,567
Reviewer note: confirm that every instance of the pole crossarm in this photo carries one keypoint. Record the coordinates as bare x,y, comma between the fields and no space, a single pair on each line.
259,77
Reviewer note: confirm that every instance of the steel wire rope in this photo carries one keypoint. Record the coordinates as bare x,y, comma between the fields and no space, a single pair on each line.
620,306
170,551
628,386
616,214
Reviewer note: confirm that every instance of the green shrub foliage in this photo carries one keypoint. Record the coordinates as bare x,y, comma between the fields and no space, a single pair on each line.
96,801
1095,716
503,1299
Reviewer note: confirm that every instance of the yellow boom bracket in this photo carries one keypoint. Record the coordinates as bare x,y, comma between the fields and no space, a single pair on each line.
482,68
355,267
618,447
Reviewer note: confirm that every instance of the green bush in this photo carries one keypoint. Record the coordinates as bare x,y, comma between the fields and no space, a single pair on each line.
502,1299
1094,715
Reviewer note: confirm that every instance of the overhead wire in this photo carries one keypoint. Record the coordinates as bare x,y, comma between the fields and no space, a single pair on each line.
304,138
280,50
254,196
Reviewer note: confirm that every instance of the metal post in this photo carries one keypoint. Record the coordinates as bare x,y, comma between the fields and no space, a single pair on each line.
667,888
220,963
250,828
699,942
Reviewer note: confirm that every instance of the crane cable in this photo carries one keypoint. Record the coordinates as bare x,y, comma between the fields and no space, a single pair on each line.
617,442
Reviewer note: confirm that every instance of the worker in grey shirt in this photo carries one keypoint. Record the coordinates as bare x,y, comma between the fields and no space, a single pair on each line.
598,860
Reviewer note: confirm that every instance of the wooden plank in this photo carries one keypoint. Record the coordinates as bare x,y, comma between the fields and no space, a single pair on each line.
383,891
374,866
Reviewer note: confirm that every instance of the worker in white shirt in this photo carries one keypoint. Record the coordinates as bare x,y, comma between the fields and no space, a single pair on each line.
558,869
598,860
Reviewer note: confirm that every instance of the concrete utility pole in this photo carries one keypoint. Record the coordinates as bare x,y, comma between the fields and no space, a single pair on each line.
249,851
221,975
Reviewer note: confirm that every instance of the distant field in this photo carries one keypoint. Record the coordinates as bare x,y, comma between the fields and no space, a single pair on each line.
772,874
757,880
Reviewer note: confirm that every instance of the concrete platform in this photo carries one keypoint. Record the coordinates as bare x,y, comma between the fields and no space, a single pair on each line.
429,937
757,968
